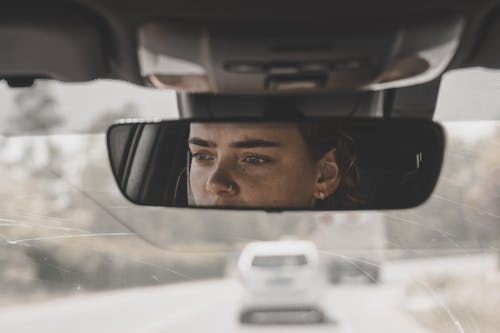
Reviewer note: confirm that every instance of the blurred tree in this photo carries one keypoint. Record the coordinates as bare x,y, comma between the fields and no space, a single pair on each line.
36,110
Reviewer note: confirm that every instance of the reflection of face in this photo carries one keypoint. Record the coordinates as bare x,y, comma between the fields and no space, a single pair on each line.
252,164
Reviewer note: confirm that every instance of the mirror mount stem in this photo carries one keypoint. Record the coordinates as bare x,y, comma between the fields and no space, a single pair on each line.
340,105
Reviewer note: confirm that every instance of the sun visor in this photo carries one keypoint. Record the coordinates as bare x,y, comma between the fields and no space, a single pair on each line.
64,44
290,57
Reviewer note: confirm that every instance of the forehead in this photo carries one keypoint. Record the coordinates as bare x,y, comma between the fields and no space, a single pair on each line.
279,132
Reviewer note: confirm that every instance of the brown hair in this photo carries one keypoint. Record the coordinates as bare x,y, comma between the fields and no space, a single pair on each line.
320,138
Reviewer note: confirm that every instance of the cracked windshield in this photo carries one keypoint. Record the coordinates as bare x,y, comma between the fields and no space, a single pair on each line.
68,236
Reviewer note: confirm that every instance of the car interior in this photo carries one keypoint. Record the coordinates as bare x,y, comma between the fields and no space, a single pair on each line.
366,72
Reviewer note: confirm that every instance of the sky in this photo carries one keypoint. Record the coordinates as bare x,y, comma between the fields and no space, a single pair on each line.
471,131
469,103
469,94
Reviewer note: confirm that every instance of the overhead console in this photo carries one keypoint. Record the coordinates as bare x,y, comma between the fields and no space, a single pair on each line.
297,57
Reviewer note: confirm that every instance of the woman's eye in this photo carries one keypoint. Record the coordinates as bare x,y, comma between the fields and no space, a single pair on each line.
202,156
257,160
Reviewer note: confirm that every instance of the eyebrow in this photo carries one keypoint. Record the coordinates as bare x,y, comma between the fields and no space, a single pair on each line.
200,142
247,143
254,143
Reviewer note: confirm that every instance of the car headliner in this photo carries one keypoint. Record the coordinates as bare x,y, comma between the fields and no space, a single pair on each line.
104,32
119,21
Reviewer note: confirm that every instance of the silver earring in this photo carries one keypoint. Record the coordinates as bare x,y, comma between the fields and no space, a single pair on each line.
322,195
229,187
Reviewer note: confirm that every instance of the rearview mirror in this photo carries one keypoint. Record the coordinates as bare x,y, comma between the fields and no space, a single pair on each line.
313,164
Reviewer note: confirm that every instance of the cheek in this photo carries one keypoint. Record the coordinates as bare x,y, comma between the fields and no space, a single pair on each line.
297,181
197,177
280,184
250,179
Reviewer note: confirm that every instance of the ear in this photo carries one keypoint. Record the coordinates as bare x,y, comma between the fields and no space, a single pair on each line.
328,177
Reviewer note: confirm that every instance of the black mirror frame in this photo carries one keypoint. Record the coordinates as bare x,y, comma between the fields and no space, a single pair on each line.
432,126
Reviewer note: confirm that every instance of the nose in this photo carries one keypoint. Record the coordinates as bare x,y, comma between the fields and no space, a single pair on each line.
221,182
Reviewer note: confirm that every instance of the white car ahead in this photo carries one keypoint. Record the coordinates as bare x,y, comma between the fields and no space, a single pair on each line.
281,279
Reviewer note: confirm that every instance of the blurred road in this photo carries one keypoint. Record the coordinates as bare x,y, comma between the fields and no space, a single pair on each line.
212,305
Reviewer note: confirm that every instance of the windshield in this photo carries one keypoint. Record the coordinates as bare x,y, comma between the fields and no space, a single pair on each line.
66,232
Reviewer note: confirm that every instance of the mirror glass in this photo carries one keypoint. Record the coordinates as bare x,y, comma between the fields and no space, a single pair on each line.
313,164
